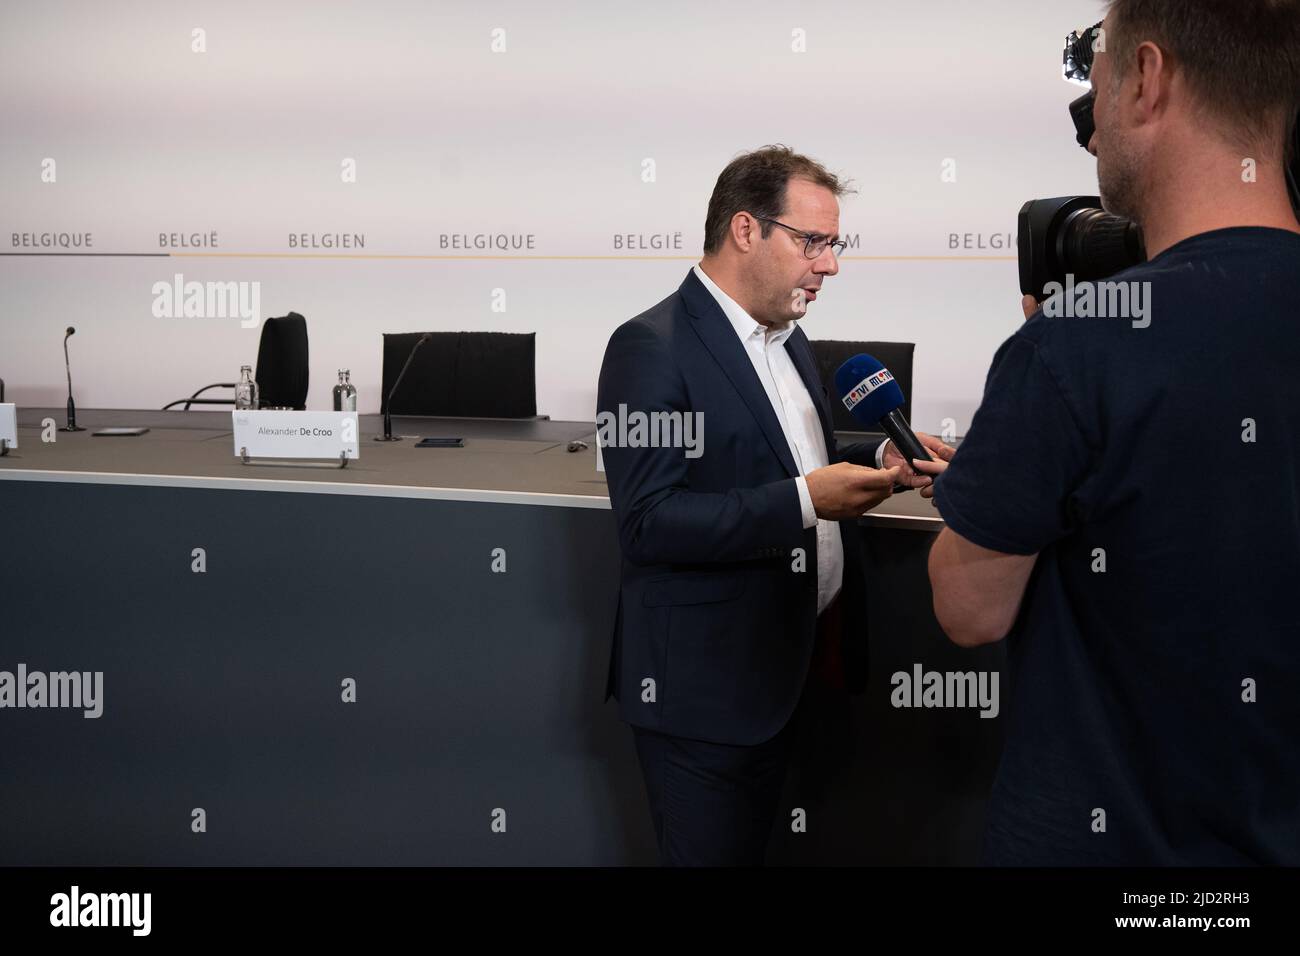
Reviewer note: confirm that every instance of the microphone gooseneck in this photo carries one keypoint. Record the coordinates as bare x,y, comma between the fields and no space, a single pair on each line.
67,366
388,402
71,425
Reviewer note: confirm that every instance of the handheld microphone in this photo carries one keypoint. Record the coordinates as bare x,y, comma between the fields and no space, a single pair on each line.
871,395
388,405
71,426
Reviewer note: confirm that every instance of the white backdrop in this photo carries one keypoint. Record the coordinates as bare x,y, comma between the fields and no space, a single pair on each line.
546,136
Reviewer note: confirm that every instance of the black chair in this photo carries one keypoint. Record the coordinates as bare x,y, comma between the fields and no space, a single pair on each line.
462,374
282,368
895,356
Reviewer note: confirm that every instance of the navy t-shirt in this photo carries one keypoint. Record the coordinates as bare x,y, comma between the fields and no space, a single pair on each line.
1153,464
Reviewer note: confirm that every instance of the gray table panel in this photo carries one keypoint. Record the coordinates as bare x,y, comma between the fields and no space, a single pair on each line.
475,690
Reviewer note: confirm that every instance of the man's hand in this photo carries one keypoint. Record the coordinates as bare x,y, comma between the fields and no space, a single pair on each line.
845,490
934,469
908,475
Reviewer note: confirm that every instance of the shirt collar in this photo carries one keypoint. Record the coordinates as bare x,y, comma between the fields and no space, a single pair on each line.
740,320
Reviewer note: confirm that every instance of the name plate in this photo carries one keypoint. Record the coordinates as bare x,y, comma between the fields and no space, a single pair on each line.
296,434
9,423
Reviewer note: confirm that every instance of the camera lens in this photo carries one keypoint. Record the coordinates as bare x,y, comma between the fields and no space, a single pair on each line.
1093,244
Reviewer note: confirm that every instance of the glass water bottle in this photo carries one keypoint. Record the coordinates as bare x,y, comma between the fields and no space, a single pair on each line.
246,390
345,394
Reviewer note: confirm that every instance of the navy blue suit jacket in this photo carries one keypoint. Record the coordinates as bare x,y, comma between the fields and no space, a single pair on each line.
715,626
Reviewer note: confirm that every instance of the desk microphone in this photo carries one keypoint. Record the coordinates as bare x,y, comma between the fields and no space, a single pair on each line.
388,405
71,426
873,398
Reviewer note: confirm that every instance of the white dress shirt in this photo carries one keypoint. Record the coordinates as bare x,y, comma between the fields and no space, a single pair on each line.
800,423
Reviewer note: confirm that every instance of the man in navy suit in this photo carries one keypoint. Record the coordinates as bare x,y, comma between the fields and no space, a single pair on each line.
736,512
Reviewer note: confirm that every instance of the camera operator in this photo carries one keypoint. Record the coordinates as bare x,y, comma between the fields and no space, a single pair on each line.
1126,505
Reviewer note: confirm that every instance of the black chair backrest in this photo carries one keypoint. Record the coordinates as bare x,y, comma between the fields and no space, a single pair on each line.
469,374
282,363
895,356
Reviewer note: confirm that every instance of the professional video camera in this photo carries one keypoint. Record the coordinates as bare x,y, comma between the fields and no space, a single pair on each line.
1072,234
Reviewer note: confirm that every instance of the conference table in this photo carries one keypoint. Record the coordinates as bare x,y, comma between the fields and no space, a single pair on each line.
400,662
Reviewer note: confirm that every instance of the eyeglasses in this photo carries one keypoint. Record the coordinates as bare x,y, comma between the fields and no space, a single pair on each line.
1080,48
814,244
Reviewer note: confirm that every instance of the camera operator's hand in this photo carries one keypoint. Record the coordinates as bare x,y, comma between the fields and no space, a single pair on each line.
934,469
1030,305
907,477
845,490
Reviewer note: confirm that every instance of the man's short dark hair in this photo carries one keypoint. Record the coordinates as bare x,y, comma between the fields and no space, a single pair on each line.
1241,58
755,183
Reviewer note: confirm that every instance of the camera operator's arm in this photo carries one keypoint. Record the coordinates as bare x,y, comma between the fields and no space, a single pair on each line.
1009,493
977,591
